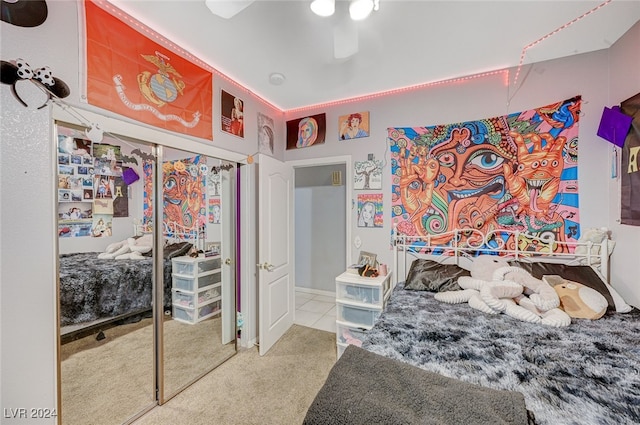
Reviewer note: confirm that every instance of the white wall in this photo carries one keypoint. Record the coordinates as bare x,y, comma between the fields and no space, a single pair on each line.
538,85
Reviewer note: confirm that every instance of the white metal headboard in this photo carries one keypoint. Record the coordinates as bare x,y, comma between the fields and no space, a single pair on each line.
467,243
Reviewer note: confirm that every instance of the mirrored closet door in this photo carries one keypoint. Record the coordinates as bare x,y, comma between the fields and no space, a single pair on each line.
198,332
106,277
146,240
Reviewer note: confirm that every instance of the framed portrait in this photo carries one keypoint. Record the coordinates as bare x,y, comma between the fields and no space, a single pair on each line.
367,258
307,131
265,134
370,210
232,117
353,126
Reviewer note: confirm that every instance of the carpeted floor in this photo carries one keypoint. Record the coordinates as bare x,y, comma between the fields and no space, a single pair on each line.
108,381
248,389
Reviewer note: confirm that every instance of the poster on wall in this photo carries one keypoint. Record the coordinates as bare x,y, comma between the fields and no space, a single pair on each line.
232,115
214,210
367,175
517,172
265,134
120,198
102,225
138,78
370,210
307,131
353,126
630,167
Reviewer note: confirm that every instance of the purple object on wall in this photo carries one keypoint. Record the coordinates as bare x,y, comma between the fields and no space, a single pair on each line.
129,176
614,125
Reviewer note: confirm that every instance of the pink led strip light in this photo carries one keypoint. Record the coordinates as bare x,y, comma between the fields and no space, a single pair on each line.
568,24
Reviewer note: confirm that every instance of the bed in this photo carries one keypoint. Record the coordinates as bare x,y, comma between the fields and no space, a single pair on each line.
93,289
585,373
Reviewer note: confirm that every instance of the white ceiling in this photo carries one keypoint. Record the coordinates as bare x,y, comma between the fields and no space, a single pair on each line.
404,43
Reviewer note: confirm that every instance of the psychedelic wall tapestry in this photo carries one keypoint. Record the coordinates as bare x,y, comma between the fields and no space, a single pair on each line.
183,191
629,170
516,172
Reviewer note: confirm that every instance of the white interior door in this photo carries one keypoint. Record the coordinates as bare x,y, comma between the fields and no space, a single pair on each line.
275,251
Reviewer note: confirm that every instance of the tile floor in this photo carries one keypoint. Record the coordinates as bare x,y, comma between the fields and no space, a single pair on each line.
315,311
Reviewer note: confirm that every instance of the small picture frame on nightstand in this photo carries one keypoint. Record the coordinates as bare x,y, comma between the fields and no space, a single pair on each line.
367,258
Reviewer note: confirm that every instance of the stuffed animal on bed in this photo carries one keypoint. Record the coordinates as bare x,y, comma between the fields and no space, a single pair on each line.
130,248
576,299
495,287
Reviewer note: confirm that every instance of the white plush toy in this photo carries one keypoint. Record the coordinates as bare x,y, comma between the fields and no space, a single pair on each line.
130,248
495,287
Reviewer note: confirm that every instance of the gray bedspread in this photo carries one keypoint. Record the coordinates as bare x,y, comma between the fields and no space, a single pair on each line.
92,289
365,388
587,373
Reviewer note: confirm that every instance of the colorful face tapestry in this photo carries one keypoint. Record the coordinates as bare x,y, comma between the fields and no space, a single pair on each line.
183,192
516,172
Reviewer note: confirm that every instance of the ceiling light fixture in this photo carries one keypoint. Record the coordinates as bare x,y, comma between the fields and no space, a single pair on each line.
227,9
323,7
361,9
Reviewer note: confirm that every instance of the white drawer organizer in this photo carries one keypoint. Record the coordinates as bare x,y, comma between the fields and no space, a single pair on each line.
197,288
359,302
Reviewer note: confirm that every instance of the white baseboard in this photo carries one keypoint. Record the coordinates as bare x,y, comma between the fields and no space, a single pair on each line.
331,294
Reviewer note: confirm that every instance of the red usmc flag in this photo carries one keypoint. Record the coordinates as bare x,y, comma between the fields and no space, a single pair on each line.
131,75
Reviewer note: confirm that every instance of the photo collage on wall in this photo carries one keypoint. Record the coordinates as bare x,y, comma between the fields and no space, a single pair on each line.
90,187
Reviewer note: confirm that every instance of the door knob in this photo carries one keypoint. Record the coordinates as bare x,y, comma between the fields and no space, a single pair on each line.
227,261
266,266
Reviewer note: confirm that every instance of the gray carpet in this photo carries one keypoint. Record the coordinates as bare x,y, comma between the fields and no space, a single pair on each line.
277,388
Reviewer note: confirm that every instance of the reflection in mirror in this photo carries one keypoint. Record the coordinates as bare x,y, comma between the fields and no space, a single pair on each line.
198,330
105,283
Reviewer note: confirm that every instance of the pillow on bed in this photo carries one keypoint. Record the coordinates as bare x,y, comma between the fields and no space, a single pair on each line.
429,275
585,275
176,249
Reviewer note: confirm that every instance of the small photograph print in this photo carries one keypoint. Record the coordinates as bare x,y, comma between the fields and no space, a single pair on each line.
76,195
74,146
353,126
66,169
74,182
87,194
87,160
63,182
87,182
76,159
74,229
64,195
101,225
83,170
107,152
103,187
74,211
63,159
103,166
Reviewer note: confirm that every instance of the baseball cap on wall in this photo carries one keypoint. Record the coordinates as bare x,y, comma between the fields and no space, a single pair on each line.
24,13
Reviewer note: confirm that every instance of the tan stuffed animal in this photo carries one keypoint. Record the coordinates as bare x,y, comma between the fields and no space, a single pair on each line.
578,300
